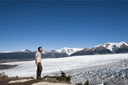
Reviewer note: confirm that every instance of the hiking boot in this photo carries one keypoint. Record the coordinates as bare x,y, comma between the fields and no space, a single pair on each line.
39,78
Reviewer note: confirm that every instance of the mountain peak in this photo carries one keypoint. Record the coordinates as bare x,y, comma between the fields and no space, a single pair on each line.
112,46
123,43
69,51
106,48
65,47
25,50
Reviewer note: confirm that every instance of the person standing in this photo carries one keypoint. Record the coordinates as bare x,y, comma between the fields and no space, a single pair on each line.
38,62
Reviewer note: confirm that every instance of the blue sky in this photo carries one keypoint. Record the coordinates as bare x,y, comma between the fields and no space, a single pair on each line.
58,24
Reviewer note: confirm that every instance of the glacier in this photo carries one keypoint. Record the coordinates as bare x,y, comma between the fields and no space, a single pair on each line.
111,69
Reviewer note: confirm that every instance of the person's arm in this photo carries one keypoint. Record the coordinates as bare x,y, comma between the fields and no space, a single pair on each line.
36,59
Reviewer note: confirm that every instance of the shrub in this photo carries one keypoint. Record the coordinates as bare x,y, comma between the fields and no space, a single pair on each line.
63,77
86,83
17,76
78,83
3,75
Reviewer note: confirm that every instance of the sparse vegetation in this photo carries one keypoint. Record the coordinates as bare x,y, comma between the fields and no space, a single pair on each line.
3,75
63,77
86,83
78,83
17,76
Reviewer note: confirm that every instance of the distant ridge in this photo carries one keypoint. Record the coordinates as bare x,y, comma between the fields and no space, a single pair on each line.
107,48
113,46
66,50
25,50
69,51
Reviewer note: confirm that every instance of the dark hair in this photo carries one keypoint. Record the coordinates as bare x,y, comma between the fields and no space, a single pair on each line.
39,48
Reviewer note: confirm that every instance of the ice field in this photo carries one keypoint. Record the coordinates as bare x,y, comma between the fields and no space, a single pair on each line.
97,68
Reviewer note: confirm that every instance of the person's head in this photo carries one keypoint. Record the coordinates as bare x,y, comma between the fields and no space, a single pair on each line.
40,49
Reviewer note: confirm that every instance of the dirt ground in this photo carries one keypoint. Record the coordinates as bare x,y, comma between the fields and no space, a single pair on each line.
31,81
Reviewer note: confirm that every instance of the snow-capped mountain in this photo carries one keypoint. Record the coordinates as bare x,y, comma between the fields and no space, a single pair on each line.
50,51
25,50
66,50
6,52
121,47
107,48
113,46
69,51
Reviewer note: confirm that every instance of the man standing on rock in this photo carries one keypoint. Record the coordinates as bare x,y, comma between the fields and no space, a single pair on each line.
38,62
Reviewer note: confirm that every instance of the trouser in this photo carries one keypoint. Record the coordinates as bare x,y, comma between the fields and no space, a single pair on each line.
39,70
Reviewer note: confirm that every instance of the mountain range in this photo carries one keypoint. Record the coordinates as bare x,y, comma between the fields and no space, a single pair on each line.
107,48
25,55
66,50
121,47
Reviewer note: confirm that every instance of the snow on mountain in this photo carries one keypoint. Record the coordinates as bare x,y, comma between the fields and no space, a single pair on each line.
69,51
25,50
6,52
112,46
50,51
